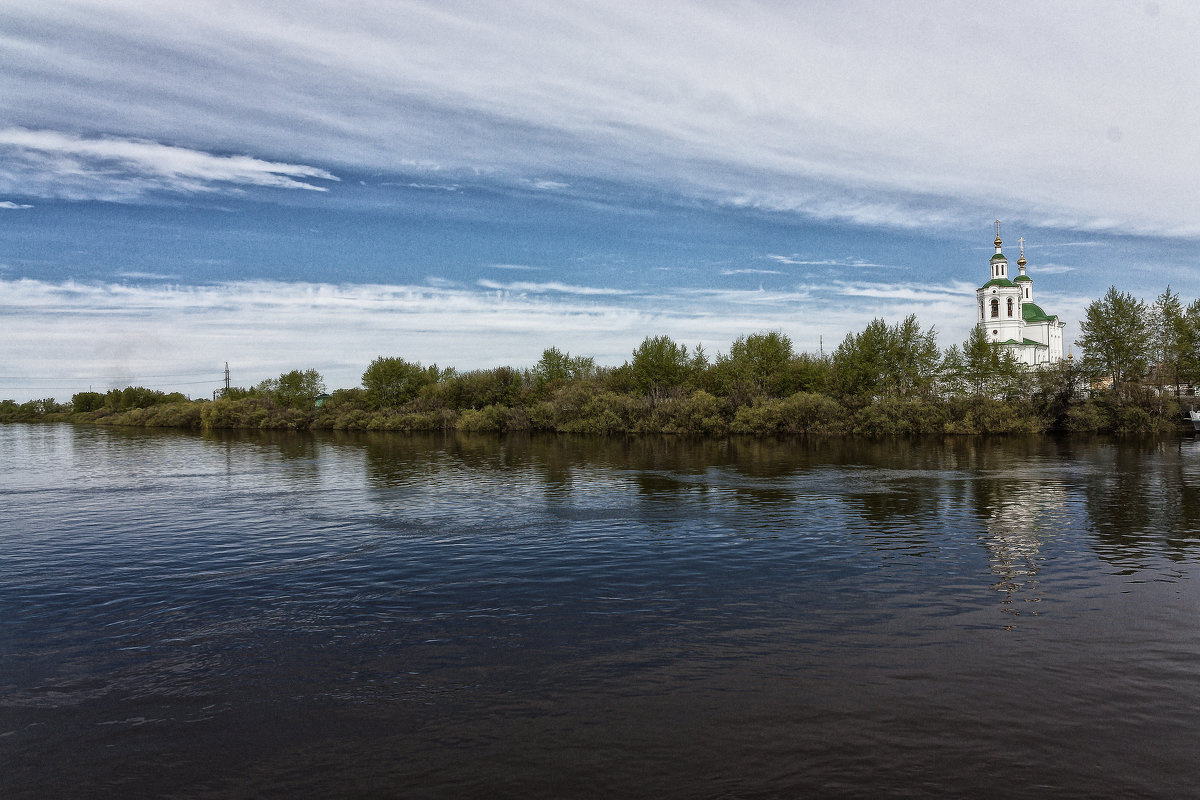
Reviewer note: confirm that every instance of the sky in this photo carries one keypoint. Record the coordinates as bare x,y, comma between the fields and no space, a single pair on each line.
296,185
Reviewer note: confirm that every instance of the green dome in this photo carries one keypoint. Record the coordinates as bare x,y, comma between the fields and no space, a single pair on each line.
1032,312
999,257
1020,278
1005,282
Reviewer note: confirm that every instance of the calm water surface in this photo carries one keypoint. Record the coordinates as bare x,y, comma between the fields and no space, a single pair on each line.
323,616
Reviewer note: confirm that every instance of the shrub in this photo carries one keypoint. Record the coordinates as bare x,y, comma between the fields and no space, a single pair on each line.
83,402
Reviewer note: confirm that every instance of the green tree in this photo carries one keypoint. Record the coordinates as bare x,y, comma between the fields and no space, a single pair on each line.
983,369
1169,339
1058,388
482,387
556,368
761,360
888,361
296,389
659,364
87,401
132,397
1189,344
394,381
1115,338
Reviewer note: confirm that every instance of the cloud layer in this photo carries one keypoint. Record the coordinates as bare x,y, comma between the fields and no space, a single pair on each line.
51,164
1072,115
61,338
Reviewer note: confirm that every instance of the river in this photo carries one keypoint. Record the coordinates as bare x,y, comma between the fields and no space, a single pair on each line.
296,615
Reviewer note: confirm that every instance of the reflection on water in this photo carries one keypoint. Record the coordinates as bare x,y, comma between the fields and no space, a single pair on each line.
241,614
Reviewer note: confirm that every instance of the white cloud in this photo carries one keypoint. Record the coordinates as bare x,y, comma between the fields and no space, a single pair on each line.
9,204
749,271
549,287
916,295
828,262
878,115
151,276
70,335
435,186
53,164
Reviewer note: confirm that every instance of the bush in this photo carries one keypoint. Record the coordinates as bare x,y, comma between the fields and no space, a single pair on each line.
980,415
184,414
133,397
697,412
84,402
803,412
900,417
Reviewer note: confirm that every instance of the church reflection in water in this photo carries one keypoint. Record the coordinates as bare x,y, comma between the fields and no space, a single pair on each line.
1019,522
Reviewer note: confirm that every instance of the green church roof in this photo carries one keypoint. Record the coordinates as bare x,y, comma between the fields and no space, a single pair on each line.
999,282
999,257
1032,312
1020,278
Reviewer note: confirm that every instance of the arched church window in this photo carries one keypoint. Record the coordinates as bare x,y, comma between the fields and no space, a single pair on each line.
995,307
1010,305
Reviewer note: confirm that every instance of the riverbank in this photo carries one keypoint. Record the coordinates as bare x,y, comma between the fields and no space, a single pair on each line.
583,410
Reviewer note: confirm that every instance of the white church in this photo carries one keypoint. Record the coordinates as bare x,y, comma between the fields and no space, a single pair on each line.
1010,318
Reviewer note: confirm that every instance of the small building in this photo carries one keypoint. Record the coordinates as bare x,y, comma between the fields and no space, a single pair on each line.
1011,319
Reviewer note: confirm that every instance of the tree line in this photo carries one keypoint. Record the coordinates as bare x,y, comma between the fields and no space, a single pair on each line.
887,379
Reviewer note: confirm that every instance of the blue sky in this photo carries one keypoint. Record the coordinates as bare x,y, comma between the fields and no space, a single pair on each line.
311,184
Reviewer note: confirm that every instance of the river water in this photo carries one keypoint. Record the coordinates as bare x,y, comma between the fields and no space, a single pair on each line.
261,615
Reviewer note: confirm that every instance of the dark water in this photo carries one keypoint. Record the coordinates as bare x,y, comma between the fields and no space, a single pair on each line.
260,615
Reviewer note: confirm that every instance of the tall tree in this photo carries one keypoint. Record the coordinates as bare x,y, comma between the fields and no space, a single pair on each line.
894,361
659,364
1167,337
556,367
394,381
983,369
1116,340
760,360
296,389
1189,344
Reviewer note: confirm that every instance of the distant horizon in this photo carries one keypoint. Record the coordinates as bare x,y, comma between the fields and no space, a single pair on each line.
181,187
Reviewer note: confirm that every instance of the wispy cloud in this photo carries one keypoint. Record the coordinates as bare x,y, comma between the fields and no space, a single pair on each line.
433,186
550,287
516,267
750,271
700,101
915,295
9,204
827,262
1052,269
53,164
98,330
150,276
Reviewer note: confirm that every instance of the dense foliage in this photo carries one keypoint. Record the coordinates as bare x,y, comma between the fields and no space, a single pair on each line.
886,380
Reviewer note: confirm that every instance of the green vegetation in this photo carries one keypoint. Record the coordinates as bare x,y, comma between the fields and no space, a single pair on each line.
886,380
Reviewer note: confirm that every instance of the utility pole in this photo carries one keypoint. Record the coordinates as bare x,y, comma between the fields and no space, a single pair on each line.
226,377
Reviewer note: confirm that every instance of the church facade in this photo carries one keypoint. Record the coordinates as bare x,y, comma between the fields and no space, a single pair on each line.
1011,319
